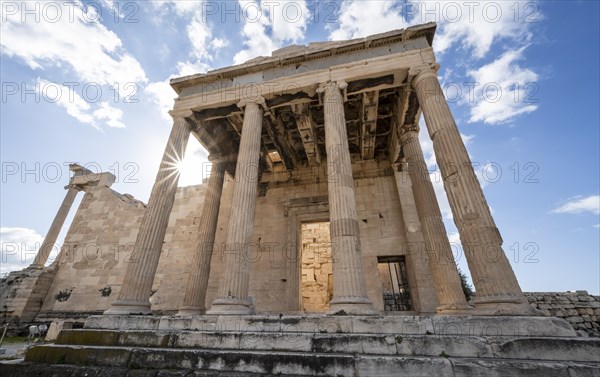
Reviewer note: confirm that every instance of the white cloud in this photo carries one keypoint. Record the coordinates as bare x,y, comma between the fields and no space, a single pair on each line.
18,247
188,68
580,204
218,43
477,25
163,95
203,47
181,7
109,4
72,38
503,90
78,107
454,238
257,43
358,18
110,114
474,26
76,40
199,31
286,20
199,34
66,98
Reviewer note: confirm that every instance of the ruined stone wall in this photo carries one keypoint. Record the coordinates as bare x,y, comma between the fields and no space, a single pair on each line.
92,262
579,308
22,294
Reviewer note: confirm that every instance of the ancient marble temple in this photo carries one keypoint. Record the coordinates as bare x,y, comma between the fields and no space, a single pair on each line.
318,198
327,132
316,245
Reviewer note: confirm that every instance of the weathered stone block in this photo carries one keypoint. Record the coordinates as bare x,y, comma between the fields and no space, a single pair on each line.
574,319
434,345
400,367
495,368
552,349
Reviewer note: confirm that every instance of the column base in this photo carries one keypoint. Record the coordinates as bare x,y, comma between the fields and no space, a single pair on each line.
504,306
120,307
455,310
231,306
351,306
189,311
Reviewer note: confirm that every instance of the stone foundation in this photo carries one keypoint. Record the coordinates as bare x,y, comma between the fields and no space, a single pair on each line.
321,345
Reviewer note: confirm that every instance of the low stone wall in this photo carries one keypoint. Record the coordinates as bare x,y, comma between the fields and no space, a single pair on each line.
579,308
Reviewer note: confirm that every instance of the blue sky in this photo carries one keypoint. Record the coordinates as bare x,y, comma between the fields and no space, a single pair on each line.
87,82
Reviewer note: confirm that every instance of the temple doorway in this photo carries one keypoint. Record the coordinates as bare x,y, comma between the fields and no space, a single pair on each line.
316,285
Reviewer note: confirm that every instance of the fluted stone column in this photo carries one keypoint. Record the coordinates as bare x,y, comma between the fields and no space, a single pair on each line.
437,246
195,293
498,291
233,290
422,290
137,284
349,286
50,239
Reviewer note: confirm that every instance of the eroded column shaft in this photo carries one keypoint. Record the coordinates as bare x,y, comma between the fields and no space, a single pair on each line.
50,240
493,277
349,287
437,246
195,293
137,285
233,290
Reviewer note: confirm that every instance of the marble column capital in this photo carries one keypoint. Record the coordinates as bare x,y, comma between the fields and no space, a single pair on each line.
420,73
181,114
409,129
329,86
217,158
400,166
258,100
74,187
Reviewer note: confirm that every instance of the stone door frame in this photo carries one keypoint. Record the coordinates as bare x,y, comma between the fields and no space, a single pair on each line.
298,211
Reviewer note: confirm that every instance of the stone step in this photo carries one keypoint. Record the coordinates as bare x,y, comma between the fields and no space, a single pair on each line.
563,349
22,369
393,325
303,363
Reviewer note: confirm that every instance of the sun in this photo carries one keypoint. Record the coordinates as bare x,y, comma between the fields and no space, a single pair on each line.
192,168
